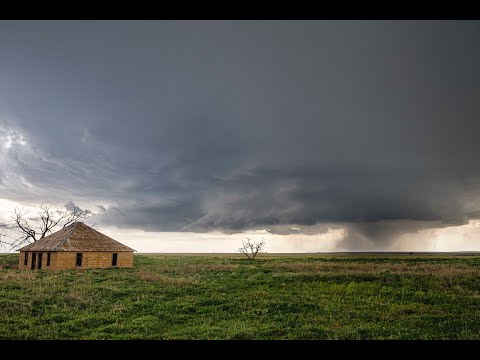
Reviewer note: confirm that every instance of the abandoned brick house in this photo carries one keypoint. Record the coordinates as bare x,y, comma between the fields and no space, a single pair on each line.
76,246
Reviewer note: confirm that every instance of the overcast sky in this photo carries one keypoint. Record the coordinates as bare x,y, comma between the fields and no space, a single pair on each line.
303,131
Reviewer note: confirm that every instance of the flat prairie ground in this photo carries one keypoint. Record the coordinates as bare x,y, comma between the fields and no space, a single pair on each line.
334,296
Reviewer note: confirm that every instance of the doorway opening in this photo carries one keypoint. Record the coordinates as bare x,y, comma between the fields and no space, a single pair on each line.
79,259
34,261
40,260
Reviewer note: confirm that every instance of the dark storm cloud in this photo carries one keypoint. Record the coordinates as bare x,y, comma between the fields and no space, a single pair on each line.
229,125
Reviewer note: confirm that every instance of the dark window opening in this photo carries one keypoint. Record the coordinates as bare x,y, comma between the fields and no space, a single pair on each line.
48,259
114,259
25,260
40,260
79,259
34,261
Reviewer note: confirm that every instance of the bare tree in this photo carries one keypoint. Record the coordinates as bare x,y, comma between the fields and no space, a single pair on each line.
33,229
251,248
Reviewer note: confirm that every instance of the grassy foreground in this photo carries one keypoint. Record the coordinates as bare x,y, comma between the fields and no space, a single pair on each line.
227,297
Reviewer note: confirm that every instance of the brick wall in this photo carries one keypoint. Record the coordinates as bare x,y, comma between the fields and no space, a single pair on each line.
67,260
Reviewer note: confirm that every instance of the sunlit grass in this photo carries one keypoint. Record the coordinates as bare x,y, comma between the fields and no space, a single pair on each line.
222,297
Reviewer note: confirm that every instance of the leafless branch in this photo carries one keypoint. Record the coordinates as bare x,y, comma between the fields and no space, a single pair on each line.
37,228
251,248
2,237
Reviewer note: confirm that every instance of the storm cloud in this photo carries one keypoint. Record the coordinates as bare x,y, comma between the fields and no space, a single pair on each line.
200,126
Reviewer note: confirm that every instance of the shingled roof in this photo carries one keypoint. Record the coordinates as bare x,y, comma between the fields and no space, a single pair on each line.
77,237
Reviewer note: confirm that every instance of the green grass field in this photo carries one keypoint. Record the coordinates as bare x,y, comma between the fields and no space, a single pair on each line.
228,297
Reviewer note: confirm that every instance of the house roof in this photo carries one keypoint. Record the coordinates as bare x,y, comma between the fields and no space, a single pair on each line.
77,237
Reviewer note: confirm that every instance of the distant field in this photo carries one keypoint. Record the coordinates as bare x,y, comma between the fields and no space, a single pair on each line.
223,296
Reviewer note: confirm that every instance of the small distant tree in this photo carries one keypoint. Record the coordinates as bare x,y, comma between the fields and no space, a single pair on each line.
251,248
